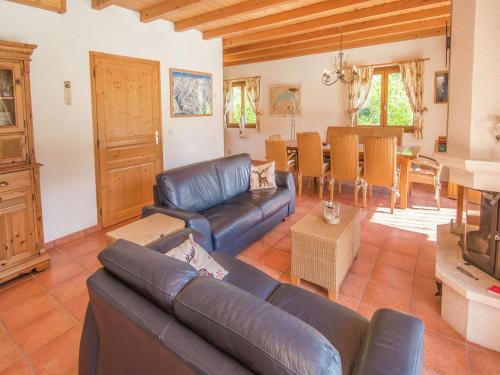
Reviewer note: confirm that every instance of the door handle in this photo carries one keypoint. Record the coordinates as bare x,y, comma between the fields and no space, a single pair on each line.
4,184
157,137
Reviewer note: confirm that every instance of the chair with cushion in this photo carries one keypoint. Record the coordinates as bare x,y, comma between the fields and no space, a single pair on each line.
152,314
213,197
368,131
380,165
344,163
311,163
276,151
426,170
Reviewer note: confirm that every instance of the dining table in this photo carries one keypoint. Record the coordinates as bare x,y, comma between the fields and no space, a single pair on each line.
405,154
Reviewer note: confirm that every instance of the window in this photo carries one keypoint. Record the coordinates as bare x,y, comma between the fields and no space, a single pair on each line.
241,104
387,103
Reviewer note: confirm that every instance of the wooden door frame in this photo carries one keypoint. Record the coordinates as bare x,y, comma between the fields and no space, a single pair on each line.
92,57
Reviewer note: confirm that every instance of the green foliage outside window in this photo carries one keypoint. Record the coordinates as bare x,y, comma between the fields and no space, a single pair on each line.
369,113
399,111
236,107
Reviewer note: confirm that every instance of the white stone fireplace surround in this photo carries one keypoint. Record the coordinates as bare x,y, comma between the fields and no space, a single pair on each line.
473,160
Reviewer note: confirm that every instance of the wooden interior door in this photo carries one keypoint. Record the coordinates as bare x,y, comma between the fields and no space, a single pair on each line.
127,132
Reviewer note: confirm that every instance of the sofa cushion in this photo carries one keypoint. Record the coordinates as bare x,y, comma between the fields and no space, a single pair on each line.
229,221
193,254
261,336
194,187
155,276
262,176
269,201
344,328
234,174
246,277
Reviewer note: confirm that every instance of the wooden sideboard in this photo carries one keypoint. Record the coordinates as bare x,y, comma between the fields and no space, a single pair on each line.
21,231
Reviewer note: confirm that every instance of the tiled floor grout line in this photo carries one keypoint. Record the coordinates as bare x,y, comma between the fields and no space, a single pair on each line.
24,356
366,284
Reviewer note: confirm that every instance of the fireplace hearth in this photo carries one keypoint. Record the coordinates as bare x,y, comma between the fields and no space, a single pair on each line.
480,240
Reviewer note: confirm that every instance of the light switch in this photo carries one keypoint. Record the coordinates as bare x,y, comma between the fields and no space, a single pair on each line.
67,93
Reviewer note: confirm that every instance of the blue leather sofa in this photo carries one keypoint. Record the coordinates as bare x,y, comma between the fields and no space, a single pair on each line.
151,314
213,198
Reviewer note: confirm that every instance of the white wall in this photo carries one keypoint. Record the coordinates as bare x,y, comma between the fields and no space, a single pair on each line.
474,79
63,134
324,106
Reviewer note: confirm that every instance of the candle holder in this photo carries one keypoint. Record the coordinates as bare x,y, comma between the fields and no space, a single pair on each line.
331,212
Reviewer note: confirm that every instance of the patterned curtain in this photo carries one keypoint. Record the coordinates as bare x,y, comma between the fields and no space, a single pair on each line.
253,91
358,92
412,74
228,99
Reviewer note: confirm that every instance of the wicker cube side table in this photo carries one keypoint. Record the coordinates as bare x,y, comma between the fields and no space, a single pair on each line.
322,253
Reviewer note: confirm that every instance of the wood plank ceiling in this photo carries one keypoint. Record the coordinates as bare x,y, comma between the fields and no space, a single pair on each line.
264,30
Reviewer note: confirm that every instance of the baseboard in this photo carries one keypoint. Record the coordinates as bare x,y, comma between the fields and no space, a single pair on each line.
72,236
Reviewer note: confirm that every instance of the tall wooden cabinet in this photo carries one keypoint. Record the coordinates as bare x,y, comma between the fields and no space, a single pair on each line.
21,232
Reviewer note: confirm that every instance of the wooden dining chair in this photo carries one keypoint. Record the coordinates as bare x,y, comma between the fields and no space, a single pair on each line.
380,165
311,164
344,163
427,170
276,151
275,136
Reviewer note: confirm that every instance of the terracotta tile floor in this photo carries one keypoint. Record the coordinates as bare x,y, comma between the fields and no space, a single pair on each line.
41,314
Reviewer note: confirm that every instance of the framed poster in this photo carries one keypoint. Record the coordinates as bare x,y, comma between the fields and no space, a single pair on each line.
441,87
285,99
190,93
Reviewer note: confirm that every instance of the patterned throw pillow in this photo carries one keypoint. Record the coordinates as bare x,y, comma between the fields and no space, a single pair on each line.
262,176
195,255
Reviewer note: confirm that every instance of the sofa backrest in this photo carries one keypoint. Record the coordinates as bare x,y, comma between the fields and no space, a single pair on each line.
152,274
234,174
194,187
259,335
125,333
197,187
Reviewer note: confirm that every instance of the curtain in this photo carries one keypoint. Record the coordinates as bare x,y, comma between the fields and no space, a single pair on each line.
228,99
412,75
253,92
358,91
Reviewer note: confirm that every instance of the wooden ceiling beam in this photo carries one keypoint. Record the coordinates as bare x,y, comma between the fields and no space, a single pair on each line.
354,44
364,25
245,7
162,9
329,21
285,16
366,34
101,4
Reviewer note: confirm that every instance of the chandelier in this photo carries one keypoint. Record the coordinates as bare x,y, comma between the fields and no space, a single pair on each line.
339,65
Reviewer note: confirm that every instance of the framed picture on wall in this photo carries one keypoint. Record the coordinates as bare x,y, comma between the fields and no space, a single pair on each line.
190,93
285,99
441,87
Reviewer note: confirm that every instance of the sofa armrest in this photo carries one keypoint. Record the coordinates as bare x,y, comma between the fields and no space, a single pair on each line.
192,219
394,345
285,180
164,244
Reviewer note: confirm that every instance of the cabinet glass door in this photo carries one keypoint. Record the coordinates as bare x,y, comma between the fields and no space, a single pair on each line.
11,98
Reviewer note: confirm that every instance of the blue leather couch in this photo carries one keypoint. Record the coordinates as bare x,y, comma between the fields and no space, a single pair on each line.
213,198
151,314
